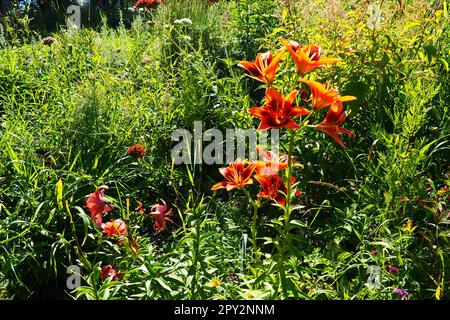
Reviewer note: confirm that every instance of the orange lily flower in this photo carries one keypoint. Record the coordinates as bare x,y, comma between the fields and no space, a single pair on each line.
332,123
264,67
274,188
98,204
324,95
137,151
237,175
307,58
115,227
278,111
272,163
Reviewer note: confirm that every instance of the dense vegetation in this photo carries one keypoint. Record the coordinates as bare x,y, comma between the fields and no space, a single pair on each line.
71,108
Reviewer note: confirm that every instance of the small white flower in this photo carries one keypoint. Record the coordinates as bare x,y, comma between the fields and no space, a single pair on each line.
186,21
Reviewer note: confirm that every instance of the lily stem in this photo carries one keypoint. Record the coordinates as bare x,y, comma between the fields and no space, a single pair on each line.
287,215
253,227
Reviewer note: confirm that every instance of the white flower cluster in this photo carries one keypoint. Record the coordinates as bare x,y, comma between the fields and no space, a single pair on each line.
184,22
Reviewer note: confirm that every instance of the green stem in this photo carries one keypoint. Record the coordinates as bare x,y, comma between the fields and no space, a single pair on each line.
195,262
287,214
254,230
253,227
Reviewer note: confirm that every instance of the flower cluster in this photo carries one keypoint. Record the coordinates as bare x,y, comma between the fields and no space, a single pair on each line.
279,111
137,151
240,173
147,4
98,204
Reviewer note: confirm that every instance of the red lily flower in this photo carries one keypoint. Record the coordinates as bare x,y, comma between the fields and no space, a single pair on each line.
278,111
137,151
161,215
115,227
97,205
306,58
110,271
264,67
324,95
274,188
332,123
272,163
237,175
147,3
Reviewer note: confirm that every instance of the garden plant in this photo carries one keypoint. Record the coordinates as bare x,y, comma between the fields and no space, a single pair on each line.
225,150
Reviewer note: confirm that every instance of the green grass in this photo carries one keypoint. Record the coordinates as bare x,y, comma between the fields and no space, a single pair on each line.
69,111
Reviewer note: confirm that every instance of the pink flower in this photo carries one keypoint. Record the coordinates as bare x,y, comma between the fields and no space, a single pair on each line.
161,215
147,3
97,205
374,252
403,293
110,271
393,269
115,227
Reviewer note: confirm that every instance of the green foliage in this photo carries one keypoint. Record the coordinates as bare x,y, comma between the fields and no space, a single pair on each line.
69,111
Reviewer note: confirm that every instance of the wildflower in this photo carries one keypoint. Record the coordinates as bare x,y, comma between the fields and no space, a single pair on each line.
215,282
403,293
137,151
110,271
115,227
237,175
264,67
161,215
374,252
147,3
97,205
393,269
307,58
186,38
324,95
272,163
279,111
184,21
333,120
